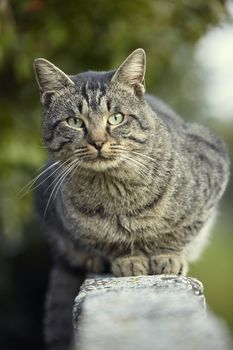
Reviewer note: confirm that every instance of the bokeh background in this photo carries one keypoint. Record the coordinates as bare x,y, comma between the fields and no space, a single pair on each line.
189,46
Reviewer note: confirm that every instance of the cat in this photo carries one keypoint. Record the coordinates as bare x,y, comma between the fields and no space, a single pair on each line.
129,185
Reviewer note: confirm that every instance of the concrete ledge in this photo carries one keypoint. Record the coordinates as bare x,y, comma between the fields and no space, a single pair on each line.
145,313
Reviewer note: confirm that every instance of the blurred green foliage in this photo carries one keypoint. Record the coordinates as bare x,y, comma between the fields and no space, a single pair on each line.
77,36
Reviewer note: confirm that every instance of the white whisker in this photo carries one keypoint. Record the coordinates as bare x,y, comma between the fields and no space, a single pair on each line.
28,187
143,155
70,170
121,148
80,150
147,159
60,174
142,165
141,174
61,177
138,167
60,166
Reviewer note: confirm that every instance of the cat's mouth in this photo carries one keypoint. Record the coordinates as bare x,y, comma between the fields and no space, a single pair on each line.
101,161
103,156
107,157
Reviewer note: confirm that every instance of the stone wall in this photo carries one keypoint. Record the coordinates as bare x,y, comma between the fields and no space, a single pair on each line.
146,313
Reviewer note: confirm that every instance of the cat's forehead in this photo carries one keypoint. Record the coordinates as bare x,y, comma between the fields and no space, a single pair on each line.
91,88
94,79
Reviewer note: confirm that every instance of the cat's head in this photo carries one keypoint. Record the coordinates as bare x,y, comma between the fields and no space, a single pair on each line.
96,118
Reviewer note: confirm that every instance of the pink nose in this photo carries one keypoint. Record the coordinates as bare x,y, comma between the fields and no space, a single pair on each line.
98,144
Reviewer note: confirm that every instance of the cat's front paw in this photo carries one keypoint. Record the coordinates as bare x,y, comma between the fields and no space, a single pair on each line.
170,264
130,266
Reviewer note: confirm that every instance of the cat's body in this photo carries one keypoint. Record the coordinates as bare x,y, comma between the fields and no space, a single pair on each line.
138,186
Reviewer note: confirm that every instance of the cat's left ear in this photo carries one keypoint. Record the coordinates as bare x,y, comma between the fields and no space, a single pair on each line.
132,72
50,78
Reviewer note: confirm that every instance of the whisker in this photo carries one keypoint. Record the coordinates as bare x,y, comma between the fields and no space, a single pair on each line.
31,186
83,149
138,171
41,167
142,165
70,166
61,178
122,148
79,154
70,170
60,166
60,174
28,187
142,171
148,160
143,155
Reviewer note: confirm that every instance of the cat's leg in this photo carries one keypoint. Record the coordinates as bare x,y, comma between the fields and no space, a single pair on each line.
64,285
69,271
169,263
131,265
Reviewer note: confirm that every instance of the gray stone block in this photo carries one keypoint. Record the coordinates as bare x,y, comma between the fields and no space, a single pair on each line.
145,313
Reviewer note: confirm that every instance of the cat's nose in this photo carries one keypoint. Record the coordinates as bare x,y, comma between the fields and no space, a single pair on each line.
98,144
97,138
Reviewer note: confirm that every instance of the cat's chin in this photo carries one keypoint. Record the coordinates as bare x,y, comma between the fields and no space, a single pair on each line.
101,164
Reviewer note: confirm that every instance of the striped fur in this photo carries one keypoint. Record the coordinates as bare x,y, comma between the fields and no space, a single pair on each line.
142,201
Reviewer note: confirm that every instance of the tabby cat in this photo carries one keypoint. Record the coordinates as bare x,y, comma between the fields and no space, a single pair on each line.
129,185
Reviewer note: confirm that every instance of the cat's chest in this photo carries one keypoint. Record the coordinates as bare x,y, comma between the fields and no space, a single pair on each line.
111,233
108,196
114,234
106,218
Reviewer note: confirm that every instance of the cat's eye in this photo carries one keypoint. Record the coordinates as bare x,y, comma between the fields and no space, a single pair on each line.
76,123
116,119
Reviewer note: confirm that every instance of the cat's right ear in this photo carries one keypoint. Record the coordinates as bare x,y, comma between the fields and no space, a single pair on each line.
132,72
50,79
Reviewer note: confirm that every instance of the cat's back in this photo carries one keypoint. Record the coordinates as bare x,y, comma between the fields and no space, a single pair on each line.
191,133
195,145
164,111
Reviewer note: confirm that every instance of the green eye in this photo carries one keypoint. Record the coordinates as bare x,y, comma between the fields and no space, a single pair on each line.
115,119
75,122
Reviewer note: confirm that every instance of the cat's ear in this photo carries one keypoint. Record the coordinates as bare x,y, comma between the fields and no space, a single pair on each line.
132,71
50,78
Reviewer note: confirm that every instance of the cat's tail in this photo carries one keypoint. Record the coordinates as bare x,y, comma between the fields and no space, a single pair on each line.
64,285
